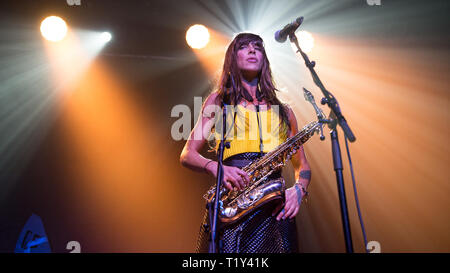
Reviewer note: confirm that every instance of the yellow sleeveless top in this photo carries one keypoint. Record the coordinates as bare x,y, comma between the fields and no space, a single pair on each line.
244,133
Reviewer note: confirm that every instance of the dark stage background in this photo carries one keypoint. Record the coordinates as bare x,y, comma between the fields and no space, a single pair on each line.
94,157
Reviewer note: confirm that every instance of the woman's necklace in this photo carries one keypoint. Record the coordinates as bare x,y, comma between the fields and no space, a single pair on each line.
261,146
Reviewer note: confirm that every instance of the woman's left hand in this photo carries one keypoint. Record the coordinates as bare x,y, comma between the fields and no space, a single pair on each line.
292,203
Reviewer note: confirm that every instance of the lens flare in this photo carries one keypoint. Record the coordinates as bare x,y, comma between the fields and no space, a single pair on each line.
197,36
53,28
305,40
106,37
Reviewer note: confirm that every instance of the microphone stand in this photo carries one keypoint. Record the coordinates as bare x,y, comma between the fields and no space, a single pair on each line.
215,243
335,118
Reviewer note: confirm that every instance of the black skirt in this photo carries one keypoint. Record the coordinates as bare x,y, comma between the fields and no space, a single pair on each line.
257,232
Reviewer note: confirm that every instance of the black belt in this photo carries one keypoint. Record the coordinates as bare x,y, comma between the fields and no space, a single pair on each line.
243,159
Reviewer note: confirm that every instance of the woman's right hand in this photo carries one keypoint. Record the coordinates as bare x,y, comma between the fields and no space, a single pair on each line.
233,177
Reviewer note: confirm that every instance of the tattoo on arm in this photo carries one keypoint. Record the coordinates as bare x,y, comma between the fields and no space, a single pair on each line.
305,174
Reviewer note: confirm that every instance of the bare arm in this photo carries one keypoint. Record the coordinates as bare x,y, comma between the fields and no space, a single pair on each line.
295,194
191,158
301,165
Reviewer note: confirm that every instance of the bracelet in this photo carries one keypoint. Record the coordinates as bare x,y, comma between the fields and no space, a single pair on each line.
305,193
204,167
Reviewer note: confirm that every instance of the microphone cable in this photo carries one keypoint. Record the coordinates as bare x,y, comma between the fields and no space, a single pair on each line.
356,196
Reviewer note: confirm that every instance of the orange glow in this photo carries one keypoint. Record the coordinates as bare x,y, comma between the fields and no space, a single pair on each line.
211,57
120,176
67,59
129,192
122,186
396,102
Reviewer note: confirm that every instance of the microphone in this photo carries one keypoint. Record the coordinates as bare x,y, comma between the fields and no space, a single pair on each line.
281,35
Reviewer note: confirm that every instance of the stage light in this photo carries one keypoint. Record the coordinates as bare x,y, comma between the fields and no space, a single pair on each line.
105,37
53,28
197,36
305,40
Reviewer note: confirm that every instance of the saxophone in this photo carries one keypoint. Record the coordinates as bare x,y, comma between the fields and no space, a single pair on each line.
233,205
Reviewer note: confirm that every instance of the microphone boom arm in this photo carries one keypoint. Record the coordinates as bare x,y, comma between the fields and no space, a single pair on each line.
329,99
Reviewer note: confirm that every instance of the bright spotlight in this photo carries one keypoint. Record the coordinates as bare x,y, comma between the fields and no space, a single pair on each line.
197,36
105,37
53,28
305,40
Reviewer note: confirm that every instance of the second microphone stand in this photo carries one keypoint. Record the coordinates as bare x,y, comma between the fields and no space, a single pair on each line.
213,208
335,118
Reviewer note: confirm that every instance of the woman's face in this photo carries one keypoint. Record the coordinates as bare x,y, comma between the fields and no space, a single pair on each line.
250,57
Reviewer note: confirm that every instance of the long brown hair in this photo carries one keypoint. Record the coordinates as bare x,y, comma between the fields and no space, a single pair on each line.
231,72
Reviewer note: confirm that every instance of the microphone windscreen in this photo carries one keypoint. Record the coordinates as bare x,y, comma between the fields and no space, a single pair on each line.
278,37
